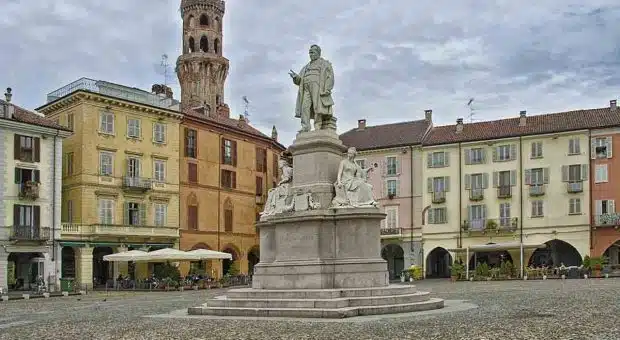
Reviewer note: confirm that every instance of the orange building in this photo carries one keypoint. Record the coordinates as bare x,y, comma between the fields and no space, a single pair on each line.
226,165
605,167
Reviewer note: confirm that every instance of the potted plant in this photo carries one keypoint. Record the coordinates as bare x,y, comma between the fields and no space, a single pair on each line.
415,273
491,225
456,271
465,225
596,264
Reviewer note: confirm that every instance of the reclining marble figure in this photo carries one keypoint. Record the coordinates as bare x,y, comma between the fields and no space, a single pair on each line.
278,198
352,188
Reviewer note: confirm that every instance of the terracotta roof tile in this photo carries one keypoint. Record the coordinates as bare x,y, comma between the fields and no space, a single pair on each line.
25,116
537,124
229,122
387,135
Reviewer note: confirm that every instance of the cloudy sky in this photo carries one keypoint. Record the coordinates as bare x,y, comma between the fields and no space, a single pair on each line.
392,59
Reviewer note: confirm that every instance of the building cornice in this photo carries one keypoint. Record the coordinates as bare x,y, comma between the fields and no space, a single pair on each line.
15,125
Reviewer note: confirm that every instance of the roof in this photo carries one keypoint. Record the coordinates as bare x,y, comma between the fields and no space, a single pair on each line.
25,116
387,135
537,124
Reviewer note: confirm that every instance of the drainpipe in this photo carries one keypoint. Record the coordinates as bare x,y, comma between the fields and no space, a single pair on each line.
521,251
460,239
219,191
590,175
54,209
411,247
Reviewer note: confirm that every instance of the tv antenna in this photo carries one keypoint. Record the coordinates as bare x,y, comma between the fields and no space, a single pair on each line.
472,111
164,69
246,103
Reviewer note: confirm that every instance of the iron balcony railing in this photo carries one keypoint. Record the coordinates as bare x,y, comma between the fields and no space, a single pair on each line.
607,220
29,190
504,191
390,231
491,224
439,197
574,186
29,233
476,194
139,183
537,190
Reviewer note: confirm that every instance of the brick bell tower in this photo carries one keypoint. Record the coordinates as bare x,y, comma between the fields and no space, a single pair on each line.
202,69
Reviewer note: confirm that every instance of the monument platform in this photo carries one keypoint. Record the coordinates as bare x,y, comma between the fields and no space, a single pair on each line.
319,303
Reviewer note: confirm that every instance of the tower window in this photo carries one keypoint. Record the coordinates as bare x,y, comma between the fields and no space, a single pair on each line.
218,24
191,21
204,44
192,45
216,46
204,20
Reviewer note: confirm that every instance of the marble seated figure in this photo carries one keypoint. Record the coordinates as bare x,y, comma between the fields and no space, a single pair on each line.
352,188
277,197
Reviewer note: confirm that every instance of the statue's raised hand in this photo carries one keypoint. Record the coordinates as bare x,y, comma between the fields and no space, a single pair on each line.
292,74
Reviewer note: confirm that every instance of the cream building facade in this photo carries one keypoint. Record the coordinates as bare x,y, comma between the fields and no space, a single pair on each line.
514,189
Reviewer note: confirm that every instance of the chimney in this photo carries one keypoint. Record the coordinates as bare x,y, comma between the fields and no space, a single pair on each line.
428,115
612,104
522,118
459,125
274,133
223,111
361,124
9,109
8,95
241,120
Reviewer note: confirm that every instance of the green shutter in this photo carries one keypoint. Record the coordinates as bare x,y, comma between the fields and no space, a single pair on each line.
143,214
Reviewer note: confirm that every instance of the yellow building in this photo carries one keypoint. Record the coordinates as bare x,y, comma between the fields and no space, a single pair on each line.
120,185
513,189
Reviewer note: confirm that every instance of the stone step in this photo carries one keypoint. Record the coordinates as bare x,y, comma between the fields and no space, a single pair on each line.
320,303
335,313
249,293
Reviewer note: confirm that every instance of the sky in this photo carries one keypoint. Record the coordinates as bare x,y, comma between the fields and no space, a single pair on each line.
392,59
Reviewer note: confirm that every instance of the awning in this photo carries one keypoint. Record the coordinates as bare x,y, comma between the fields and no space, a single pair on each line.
167,254
206,254
124,256
497,247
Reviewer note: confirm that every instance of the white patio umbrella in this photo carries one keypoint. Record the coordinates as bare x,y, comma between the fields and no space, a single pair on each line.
206,254
166,254
124,256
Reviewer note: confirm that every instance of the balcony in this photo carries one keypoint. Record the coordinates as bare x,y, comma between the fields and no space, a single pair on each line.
137,183
484,225
29,233
390,232
573,187
102,230
607,220
537,190
476,194
504,191
439,197
29,190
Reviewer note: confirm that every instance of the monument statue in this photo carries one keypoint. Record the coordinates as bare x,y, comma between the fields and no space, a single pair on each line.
277,197
352,188
314,97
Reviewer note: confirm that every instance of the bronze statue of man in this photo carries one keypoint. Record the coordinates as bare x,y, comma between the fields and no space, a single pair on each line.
314,97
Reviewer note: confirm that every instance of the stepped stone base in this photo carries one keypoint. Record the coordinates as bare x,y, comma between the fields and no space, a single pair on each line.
319,303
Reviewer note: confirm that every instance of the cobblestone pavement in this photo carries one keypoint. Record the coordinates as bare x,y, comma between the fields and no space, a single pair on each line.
552,309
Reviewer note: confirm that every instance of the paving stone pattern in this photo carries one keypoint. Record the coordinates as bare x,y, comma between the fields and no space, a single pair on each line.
552,309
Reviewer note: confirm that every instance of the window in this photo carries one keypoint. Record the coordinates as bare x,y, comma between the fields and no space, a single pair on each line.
391,220
437,216
574,206
574,173
27,175
537,208
537,150
259,186
160,214
228,216
476,156
69,163
477,215
106,164
70,121
537,176
261,160
133,167
477,181
275,165
391,187
229,179
391,166
192,172
229,152
361,163
159,168
601,147
439,184
504,179
504,153
504,214
106,122
69,211
437,159
605,207
192,217
191,140
135,214
600,173
573,146
106,211
133,128
26,148
159,133
26,216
